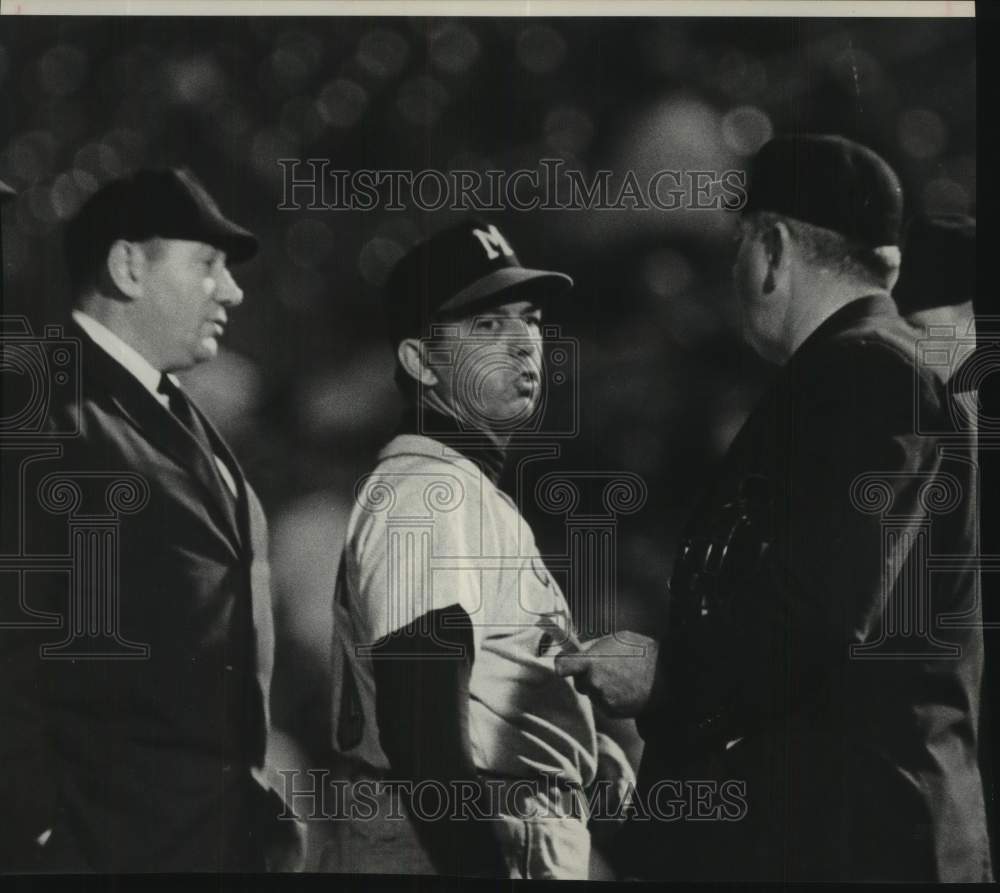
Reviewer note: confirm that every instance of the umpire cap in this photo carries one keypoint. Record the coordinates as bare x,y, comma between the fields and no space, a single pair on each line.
829,181
939,263
458,270
165,202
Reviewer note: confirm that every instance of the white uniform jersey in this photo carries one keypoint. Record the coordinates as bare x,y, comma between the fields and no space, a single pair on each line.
430,530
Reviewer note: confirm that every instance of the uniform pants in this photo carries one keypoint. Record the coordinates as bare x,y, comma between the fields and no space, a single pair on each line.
542,839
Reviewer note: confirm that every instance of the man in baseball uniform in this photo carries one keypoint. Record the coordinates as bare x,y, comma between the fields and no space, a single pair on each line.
467,753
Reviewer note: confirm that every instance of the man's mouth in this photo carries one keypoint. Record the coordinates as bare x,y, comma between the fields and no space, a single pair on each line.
527,383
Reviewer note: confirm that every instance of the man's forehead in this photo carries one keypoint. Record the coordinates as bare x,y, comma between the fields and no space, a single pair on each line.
190,246
510,308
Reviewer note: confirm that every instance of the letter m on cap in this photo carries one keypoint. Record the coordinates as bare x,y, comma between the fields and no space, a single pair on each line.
493,242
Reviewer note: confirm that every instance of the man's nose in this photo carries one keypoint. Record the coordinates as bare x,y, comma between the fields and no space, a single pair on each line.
529,345
227,292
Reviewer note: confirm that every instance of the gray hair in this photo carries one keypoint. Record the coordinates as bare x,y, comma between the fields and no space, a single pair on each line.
832,250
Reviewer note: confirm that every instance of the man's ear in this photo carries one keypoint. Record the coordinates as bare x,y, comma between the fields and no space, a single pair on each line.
891,258
126,266
411,357
776,240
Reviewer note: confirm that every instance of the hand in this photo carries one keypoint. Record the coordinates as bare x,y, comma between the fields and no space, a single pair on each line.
616,671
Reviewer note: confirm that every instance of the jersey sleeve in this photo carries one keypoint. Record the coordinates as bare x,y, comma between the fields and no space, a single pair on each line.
419,548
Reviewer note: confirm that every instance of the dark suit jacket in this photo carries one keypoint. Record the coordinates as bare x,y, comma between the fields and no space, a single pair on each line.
834,666
142,758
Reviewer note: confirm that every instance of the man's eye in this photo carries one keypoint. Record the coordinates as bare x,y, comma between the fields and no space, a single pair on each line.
486,324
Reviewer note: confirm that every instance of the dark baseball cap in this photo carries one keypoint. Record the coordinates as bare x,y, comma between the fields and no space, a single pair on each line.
829,181
939,263
166,202
6,192
459,270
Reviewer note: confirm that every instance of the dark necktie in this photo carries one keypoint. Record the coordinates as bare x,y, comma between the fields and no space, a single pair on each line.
184,412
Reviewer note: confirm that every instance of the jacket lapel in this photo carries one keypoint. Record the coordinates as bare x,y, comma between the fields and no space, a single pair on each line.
235,507
159,426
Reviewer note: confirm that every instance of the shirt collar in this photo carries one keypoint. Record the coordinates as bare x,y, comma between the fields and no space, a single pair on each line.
429,423
126,355
876,303
421,445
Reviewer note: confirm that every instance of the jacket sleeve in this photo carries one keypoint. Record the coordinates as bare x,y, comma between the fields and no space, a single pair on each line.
28,775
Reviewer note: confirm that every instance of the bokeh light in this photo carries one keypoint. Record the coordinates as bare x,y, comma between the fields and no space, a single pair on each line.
857,71
31,156
377,258
540,49
944,196
741,76
342,102
746,129
383,52
568,129
309,242
100,160
666,273
453,47
196,80
422,100
62,69
69,191
922,133
295,59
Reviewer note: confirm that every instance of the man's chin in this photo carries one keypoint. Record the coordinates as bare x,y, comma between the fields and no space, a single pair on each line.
208,349
504,413
517,411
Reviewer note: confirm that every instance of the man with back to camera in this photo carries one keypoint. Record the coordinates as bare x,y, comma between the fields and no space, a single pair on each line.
446,620
146,752
810,655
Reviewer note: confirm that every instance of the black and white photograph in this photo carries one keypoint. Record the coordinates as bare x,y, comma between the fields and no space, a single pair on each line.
495,440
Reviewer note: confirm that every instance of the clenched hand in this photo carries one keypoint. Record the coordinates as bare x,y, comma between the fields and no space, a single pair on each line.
616,671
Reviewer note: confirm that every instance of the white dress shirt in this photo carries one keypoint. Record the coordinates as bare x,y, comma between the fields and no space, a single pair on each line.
125,354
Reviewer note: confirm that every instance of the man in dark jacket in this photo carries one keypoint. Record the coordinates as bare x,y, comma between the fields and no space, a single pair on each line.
936,292
136,655
823,651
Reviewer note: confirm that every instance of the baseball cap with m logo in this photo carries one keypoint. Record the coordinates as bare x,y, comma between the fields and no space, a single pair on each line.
459,270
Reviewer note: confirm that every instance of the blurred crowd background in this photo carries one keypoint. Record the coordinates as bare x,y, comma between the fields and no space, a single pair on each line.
659,380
